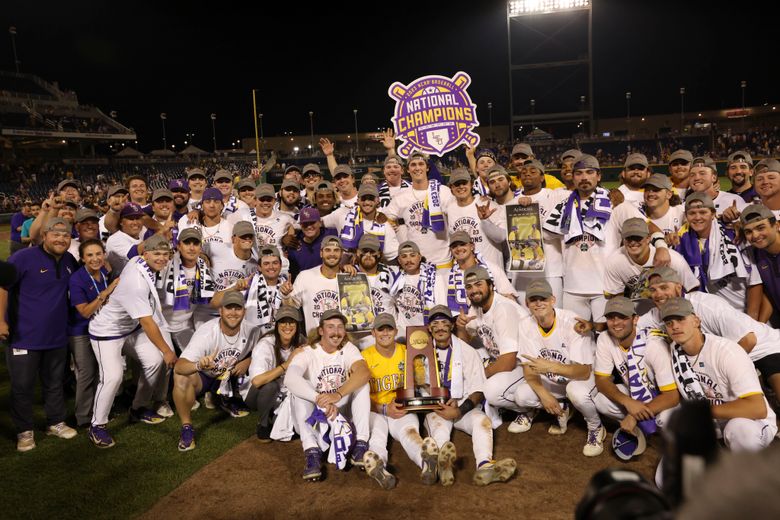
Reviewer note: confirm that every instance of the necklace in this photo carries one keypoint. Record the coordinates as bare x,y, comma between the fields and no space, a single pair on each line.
237,336
702,350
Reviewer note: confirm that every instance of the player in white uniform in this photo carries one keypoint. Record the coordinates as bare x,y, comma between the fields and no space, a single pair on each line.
270,225
635,172
330,377
380,280
460,371
494,320
233,261
718,370
407,205
703,178
216,359
641,356
132,323
223,181
123,245
214,229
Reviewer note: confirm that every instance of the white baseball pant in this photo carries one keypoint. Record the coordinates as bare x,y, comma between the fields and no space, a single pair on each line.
748,434
358,412
474,423
500,389
586,306
607,407
405,430
581,395
526,398
152,380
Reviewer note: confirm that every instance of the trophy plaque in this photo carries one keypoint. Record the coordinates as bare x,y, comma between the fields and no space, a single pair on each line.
422,389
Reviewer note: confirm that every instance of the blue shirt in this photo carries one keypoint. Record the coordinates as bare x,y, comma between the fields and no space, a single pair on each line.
83,289
768,266
16,221
38,302
307,255
26,227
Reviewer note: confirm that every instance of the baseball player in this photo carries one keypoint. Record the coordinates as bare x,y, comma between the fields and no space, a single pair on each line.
223,181
460,369
330,378
270,225
132,323
718,370
213,227
123,245
216,359
635,172
234,261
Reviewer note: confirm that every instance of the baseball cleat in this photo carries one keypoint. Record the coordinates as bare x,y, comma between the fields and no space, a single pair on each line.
312,471
263,433
233,408
25,441
495,471
100,437
187,438
522,422
375,468
164,409
447,456
358,452
595,443
430,461
208,400
195,405
145,416
562,421
61,430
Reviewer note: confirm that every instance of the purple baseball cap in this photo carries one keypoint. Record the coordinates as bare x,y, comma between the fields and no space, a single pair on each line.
179,185
131,209
212,194
309,214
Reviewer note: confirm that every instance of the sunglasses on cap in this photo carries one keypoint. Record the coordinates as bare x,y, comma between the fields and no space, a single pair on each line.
520,156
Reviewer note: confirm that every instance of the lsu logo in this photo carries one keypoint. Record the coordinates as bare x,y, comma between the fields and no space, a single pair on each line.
434,114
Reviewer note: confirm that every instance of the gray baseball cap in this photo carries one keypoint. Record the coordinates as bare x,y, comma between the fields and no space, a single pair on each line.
767,165
195,172
460,237
408,247
69,182
755,212
287,311
522,148
475,274
665,274
330,314
459,174
232,298
539,288
699,199
245,184
264,190
157,243
341,169
384,319
291,168
368,188
620,305
117,188
331,241
587,162
242,227
161,193
311,167
190,233
291,183
636,158
681,155
56,221
535,164
634,227
369,241
85,214
325,186
223,174
573,154
497,171
269,250
394,159
438,312
706,161
740,156
659,181
676,308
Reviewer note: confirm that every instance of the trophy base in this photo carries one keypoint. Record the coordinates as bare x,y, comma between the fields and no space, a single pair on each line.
422,404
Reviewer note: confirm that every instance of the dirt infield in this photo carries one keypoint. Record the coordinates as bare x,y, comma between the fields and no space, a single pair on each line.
256,480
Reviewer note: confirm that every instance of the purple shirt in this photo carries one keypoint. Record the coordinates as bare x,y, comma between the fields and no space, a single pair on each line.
307,255
83,289
16,221
768,267
38,302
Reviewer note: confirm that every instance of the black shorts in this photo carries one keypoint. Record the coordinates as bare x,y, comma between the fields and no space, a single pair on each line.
768,365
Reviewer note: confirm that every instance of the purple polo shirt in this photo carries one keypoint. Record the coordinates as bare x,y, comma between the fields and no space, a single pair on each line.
307,255
16,221
83,289
38,302
768,266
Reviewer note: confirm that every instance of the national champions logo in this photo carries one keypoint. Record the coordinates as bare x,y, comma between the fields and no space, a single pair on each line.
434,114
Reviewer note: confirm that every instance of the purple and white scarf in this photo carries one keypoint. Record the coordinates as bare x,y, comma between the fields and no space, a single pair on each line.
354,228
567,218
176,292
456,289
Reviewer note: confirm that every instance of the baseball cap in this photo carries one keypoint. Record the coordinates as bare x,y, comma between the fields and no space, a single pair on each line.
68,182
368,189
309,214
740,156
369,178
634,227
439,312
535,164
179,185
665,274
369,241
71,203
196,172
706,161
384,319
659,181
264,190
394,159
636,158
131,209
676,307
288,311
331,241
57,221
245,184
330,314
620,305
242,227
211,194
291,183
629,444
539,288
460,237
311,167
341,169
269,250
485,152
117,188
681,155
85,214
408,247
325,186
755,212
291,168
767,165
699,198
190,233
522,148
586,162
459,174
157,243
232,298
222,174
417,154
161,193
497,171
573,153
475,274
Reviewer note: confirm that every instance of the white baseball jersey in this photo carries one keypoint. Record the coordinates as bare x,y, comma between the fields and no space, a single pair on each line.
227,268
561,343
498,327
466,218
118,247
734,289
219,234
634,197
316,294
269,230
658,374
326,372
621,273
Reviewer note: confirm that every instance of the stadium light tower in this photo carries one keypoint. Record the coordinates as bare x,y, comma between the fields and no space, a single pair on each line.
12,32
490,111
311,130
163,117
682,109
357,137
214,131
536,75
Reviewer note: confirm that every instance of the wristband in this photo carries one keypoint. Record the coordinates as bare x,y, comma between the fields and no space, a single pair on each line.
466,407
657,238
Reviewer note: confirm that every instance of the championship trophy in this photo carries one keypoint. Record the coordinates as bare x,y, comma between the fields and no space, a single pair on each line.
422,389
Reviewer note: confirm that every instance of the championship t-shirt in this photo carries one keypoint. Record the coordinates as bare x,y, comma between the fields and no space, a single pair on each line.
227,268
120,248
327,372
657,375
316,294
498,327
269,230
466,218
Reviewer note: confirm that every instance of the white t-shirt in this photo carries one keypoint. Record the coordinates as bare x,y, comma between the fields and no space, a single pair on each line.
408,205
264,358
561,344
734,289
350,202
658,374
74,248
466,218
725,200
621,273
117,248
221,233
409,302
471,366
316,294
132,299
498,327
326,372
269,230
634,197
227,268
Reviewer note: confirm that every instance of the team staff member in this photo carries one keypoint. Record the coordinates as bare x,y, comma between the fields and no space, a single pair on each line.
304,252
38,296
132,323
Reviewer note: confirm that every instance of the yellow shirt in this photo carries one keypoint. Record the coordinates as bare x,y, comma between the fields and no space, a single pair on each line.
387,374
550,182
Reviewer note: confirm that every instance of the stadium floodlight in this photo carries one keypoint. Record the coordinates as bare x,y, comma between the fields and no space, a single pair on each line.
532,7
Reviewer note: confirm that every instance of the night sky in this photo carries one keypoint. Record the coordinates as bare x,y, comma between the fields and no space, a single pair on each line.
190,60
